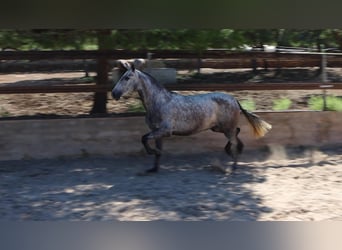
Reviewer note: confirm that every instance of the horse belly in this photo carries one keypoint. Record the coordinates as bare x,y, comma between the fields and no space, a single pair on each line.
193,124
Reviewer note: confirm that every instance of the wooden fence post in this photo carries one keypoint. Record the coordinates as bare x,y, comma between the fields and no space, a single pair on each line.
324,76
254,65
100,98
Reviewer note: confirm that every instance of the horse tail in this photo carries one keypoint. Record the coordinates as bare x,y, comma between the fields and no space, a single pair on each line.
260,127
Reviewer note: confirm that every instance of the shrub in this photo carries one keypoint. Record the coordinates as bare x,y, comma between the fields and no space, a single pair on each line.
136,107
4,112
333,103
281,104
248,105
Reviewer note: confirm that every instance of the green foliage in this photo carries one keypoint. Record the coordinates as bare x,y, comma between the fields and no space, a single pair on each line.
4,112
257,37
136,107
281,104
333,103
47,39
193,39
248,105
308,38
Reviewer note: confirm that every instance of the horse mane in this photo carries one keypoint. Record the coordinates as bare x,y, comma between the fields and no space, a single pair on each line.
154,81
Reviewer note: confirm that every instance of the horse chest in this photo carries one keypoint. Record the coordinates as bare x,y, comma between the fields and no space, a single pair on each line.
153,120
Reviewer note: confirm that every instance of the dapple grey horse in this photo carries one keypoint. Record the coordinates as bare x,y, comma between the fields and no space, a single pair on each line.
169,113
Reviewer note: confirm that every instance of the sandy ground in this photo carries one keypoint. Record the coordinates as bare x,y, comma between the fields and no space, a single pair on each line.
305,186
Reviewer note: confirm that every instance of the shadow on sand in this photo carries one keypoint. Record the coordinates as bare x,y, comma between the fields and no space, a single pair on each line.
98,188
109,189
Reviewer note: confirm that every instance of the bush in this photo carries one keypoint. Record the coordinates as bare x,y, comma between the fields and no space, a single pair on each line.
281,104
136,107
333,103
248,105
4,112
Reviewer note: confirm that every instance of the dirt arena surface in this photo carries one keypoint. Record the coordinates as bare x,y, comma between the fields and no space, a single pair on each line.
292,184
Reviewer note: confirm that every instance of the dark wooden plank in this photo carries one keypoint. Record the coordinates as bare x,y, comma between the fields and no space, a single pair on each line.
53,89
251,86
174,87
125,54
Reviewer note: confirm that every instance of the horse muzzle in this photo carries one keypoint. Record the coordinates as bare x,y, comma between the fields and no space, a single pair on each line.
116,94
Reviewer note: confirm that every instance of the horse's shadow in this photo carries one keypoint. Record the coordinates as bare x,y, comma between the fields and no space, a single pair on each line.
109,189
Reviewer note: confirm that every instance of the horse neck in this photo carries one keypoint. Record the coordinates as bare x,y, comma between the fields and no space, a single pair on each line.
150,92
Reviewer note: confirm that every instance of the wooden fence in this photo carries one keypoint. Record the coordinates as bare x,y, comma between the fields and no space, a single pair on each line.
179,59
102,61
173,87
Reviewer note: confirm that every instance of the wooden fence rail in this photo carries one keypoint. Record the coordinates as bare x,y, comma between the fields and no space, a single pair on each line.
161,54
174,87
179,59
26,61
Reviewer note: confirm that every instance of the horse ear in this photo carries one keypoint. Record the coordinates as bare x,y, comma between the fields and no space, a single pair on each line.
124,64
139,63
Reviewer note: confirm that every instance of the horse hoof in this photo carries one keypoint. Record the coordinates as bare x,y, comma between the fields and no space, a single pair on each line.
142,173
151,170
218,168
148,172
154,152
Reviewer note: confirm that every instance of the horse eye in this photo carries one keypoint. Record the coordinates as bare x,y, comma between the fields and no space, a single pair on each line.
126,78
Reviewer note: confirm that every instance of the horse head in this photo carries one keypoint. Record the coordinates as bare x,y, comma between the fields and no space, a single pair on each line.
128,82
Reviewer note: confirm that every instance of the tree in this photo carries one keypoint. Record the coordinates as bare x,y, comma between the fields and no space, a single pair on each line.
257,37
54,39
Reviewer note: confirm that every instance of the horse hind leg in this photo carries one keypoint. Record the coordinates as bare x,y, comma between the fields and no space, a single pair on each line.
234,147
239,145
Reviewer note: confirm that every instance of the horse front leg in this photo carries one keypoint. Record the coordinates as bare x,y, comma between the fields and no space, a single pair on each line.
148,148
157,136
159,145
